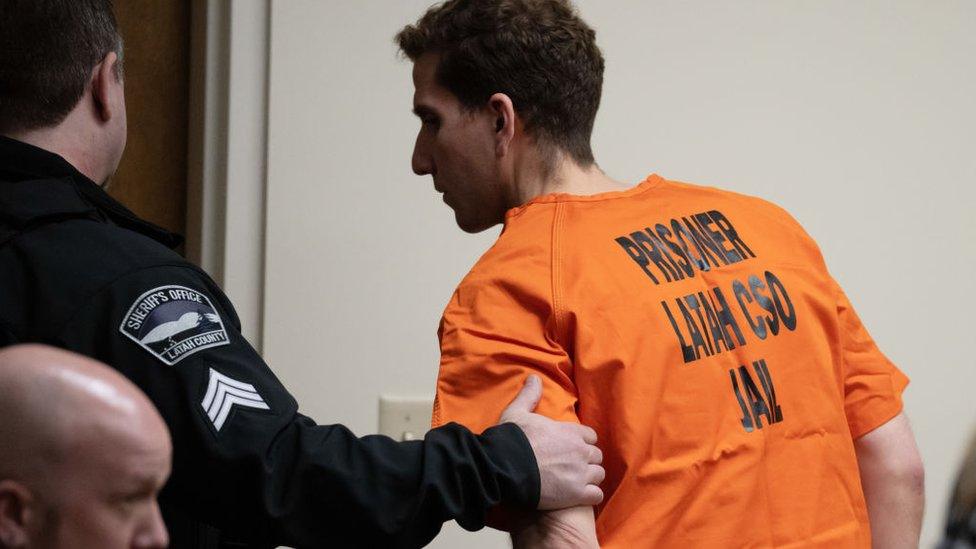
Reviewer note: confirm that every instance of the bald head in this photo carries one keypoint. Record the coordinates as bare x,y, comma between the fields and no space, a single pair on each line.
77,433
52,400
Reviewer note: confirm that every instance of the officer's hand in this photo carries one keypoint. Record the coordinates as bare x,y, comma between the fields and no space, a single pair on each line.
569,461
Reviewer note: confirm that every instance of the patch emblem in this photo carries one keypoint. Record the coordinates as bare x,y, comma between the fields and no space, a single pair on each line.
173,322
223,393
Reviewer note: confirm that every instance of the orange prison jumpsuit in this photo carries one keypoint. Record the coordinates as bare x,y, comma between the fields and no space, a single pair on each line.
699,333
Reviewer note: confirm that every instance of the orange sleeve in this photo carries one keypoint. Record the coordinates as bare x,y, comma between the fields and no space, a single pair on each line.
872,384
497,329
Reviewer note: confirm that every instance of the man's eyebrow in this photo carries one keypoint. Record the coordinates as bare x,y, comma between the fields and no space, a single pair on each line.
144,486
422,111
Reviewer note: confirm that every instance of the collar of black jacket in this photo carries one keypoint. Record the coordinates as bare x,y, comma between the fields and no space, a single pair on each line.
35,184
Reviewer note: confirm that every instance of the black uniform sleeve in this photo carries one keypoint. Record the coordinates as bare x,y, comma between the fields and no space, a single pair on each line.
248,465
6,336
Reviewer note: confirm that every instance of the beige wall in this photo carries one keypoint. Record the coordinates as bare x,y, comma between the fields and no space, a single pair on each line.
857,117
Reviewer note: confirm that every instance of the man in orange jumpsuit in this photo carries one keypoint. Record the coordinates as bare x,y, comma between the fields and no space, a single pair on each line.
737,398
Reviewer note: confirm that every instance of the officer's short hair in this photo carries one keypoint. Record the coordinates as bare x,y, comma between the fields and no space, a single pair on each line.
47,51
538,52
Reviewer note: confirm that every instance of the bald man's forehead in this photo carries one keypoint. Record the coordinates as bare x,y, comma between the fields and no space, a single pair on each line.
117,453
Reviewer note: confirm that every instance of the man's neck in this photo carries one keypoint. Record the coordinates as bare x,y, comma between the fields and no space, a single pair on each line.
566,176
66,144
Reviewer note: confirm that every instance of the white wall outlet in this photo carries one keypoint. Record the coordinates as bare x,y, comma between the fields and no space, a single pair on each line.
405,418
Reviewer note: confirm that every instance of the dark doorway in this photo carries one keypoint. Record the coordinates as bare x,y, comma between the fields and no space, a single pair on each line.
152,178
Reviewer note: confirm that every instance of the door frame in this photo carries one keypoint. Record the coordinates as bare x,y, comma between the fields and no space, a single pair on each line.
228,145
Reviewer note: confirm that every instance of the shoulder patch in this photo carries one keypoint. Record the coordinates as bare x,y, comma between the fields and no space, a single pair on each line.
224,392
173,322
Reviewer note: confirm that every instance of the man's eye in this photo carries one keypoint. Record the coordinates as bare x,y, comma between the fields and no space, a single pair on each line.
132,499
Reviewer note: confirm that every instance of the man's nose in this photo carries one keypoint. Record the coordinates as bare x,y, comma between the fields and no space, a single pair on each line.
420,161
153,535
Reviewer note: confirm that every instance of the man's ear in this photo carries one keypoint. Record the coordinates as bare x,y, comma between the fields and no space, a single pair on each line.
500,106
15,500
106,86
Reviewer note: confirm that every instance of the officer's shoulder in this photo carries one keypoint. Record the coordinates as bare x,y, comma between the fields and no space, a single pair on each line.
105,250
59,267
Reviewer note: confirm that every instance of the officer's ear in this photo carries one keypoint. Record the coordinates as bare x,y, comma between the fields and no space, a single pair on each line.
15,514
106,87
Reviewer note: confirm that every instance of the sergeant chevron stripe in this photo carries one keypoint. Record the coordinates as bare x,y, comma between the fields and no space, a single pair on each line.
224,392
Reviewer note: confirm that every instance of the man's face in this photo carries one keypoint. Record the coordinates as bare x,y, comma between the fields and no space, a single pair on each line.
457,149
106,494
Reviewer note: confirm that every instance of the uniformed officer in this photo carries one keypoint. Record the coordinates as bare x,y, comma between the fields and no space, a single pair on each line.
80,271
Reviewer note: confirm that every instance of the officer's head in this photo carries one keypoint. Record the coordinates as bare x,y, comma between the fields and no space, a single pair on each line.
83,457
496,81
61,78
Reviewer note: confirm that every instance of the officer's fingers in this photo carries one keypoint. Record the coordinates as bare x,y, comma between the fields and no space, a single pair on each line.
592,495
589,435
596,456
527,399
595,474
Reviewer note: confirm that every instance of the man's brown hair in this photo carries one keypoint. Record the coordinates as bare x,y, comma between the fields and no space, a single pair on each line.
47,51
538,52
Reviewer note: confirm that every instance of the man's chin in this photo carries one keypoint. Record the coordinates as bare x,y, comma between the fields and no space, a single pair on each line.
473,226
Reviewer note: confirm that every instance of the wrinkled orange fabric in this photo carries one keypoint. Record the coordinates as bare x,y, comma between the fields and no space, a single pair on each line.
739,436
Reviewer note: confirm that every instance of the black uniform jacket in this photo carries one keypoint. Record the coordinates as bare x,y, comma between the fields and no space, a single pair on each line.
81,272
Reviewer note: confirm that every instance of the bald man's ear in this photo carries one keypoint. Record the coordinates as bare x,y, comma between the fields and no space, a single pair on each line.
15,500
